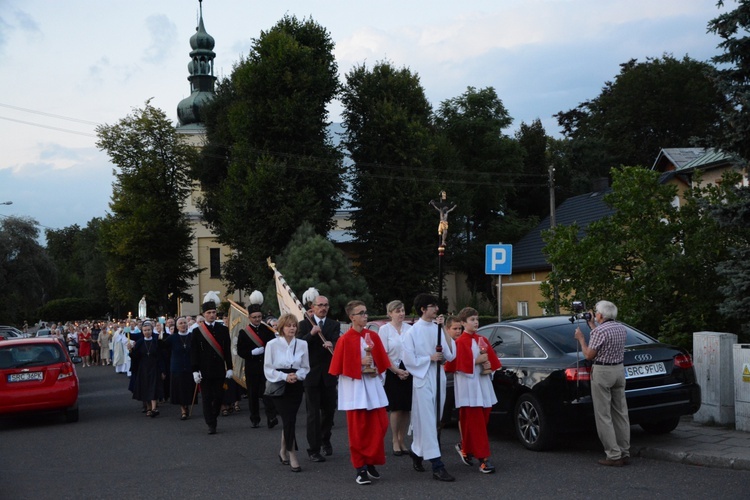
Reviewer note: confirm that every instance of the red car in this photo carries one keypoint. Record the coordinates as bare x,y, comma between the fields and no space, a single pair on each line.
38,375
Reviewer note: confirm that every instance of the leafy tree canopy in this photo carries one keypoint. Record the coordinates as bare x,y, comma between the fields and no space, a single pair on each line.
310,260
660,103
26,272
652,259
269,163
147,238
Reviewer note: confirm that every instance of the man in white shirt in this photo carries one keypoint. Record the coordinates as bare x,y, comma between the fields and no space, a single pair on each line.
422,359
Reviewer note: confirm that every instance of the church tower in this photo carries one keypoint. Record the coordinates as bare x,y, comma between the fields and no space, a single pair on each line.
202,79
208,254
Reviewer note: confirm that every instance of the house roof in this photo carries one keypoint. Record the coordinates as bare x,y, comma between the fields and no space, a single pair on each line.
583,210
711,158
679,157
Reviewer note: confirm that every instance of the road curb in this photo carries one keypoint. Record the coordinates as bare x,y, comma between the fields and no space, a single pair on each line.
698,459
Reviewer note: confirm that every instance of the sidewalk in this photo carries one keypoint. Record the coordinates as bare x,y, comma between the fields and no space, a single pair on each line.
697,444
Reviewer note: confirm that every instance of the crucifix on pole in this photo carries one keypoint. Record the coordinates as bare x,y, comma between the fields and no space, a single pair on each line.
444,208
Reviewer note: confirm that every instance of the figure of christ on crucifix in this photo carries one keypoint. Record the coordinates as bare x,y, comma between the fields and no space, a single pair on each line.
444,207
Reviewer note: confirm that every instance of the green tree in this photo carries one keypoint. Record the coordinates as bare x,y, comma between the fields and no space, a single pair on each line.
731,78
147,237
652,259
487,167
390,138
310,260
660,103
269,162
733,215
26,272
80,263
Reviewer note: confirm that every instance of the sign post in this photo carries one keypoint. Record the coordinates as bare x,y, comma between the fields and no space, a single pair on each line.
499,261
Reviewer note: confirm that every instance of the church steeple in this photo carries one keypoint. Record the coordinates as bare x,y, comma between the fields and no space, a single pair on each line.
202,79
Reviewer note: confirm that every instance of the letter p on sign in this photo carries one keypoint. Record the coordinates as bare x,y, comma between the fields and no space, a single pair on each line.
498,259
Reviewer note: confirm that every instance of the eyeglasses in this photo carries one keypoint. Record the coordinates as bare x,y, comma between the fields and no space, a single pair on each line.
360,313
322,305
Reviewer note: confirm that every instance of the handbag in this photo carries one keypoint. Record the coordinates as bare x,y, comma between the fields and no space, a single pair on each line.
275,389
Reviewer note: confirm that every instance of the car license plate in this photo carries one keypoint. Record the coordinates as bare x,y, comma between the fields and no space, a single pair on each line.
26,376
647,370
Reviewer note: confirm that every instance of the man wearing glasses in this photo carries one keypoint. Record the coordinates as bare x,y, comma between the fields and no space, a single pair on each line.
320,386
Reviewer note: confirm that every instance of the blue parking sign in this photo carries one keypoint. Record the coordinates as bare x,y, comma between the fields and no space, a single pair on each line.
498,259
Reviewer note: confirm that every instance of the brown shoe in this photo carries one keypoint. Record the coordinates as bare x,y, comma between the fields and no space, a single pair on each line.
611,463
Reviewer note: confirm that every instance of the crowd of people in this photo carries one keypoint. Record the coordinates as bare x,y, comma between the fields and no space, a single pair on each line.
365,374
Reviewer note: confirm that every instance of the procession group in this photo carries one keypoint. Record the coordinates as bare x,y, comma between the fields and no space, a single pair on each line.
400,370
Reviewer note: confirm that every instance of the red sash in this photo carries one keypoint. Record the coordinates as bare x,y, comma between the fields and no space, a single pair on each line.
254,336
211,339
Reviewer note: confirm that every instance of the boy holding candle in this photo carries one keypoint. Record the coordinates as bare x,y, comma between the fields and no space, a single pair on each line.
358,360
473,389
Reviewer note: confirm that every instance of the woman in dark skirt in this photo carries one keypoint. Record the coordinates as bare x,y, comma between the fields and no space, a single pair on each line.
182,385
147,383
287,359
398,381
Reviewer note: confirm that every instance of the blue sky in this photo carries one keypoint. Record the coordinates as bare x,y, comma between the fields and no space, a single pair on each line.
69,65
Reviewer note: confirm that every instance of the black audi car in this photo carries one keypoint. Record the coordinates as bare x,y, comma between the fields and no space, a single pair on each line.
543,386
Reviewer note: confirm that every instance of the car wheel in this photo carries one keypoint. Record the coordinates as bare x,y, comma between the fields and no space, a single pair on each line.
661,426
71,415
532,427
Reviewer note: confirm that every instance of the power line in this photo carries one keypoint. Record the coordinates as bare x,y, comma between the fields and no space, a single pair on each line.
44,113
48,127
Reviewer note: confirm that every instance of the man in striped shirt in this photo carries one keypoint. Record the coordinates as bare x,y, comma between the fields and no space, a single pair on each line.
606,348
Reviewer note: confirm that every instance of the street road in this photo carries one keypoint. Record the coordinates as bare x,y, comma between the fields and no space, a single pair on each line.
114,451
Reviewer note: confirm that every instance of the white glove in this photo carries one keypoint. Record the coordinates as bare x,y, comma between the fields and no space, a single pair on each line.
197,377
258,351
230,373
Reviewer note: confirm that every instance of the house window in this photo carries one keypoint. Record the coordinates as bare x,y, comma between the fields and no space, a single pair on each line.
215,262
523,308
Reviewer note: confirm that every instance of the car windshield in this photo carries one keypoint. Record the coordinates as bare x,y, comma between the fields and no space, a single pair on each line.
29,355
562,336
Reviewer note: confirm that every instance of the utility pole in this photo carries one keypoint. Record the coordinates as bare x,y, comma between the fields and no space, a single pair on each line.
552,224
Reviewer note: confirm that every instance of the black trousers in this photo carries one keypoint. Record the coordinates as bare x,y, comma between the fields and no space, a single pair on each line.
256,386
321,407
287,406
212,393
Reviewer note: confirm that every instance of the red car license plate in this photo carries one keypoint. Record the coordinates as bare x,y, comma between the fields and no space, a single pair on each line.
26,376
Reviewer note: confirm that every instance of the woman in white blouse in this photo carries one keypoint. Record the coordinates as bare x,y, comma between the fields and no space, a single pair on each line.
286,359
398,381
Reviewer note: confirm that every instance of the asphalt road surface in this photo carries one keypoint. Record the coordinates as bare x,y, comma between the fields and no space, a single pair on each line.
114,451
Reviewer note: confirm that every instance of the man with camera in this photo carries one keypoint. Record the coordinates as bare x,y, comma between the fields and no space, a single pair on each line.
606,348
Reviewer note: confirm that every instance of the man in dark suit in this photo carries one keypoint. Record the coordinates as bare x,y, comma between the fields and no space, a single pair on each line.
320,387
211,359
251,346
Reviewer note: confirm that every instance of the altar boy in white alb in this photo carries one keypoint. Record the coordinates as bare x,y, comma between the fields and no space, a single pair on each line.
422,360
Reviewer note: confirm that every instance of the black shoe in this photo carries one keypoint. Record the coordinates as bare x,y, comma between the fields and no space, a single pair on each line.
373,472
327,449
316,457
398,453
283,462
442,475
273,423
254,425
416,462
212,430
296,469
486,467
362,477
